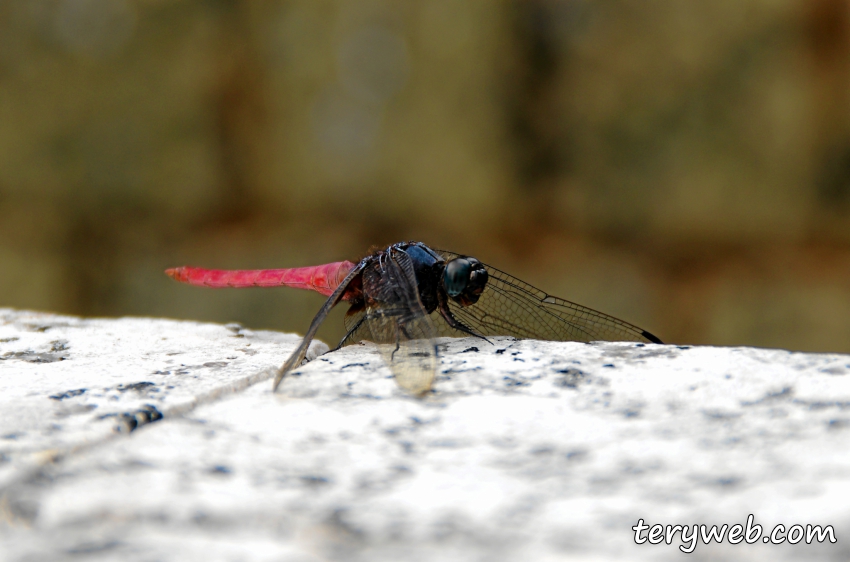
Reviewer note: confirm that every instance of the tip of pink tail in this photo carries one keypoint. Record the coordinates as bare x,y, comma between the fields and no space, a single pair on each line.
177,273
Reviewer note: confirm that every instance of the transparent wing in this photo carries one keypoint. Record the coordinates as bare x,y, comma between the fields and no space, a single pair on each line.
408,348
355,329
399,324
510,307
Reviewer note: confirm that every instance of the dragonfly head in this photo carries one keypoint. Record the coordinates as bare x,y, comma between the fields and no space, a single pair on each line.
464,280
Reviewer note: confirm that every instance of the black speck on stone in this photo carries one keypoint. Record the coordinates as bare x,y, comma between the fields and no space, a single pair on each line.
220,469
576,455
545,450
501,351
31,356
728,481
786,392
68,394
137,386
93,547
572,377
315,480
59,345
353,365
468,349
136,419
838,424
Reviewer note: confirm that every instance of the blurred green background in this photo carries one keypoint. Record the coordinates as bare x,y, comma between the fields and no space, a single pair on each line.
682,165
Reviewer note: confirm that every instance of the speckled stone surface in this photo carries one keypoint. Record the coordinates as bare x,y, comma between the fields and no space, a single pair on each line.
148,439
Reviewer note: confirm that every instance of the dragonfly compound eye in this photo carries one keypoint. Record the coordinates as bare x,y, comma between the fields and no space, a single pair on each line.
464,280
456,276
478,278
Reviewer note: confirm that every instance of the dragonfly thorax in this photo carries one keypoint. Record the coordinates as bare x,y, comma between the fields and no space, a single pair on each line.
461,279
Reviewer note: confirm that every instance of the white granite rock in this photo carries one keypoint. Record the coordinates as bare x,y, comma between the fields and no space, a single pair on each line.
525,450
67,383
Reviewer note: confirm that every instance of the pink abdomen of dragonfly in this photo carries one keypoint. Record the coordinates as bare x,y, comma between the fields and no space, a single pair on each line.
323,279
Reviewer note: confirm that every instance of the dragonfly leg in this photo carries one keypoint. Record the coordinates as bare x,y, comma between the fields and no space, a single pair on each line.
398,328
443,307
401,329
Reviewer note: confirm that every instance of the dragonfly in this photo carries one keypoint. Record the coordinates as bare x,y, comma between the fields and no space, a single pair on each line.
405,296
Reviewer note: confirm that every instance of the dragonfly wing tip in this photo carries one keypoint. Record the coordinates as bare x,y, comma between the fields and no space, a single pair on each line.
650,337
277,378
